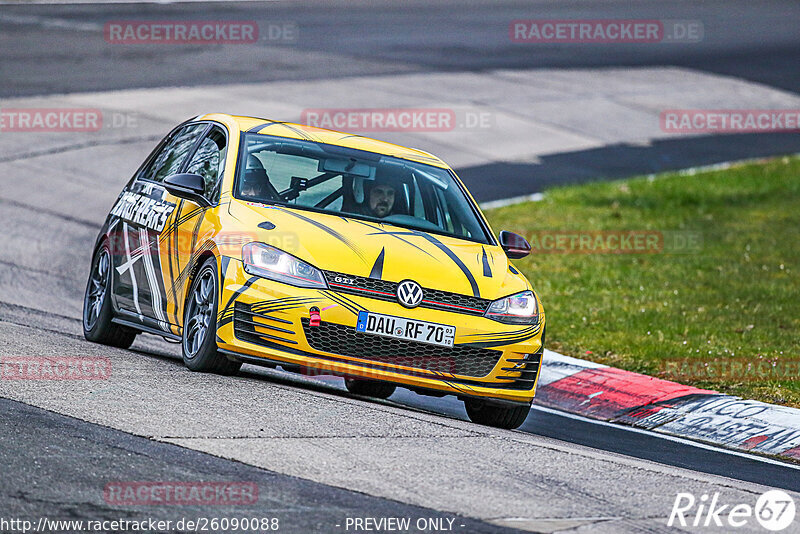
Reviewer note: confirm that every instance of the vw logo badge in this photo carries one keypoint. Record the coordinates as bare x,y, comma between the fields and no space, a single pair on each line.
409,294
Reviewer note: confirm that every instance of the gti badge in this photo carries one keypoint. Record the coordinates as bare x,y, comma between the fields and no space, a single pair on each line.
409,294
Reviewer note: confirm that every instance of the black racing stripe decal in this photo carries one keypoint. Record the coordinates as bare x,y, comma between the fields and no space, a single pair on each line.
172,236
267,307
487,271
476,292
169,258
250,282
345,306
329,231
195,254
184,274
281,304
377,267
174,227
352,302
420,157
196,229
396,235
348,305
523,331
224,262
298,131
502,342
257,127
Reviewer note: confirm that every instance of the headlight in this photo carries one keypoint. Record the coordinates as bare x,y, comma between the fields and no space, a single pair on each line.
274,264
521,308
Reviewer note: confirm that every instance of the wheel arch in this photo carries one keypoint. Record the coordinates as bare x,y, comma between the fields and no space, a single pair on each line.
201,259
195,268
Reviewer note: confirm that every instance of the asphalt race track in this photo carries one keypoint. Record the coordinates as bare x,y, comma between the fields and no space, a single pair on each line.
49,49
317,454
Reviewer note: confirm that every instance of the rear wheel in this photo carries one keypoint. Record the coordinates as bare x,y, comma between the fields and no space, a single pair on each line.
97,310
200,325
486,413
369,388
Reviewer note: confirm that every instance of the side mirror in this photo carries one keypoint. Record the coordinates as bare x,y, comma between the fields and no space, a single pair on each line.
515,245
188,186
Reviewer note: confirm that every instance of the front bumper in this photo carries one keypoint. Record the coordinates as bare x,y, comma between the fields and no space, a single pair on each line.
262,319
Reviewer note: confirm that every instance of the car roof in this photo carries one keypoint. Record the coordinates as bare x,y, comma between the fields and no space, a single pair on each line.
321,135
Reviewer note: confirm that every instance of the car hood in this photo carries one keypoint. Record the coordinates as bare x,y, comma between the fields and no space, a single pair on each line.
378,250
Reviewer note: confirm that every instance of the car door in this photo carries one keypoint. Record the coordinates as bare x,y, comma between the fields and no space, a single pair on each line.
179,243
142,214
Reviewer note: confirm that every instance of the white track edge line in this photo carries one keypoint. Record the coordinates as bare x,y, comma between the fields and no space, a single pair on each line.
669,437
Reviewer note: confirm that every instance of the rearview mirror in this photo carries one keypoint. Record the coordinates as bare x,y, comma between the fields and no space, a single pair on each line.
515,245
188,186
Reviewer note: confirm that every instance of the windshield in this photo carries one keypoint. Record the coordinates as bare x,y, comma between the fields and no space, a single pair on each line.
355,183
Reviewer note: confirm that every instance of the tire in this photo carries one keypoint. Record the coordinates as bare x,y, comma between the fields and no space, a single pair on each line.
199,343
485,413
369,388
97,309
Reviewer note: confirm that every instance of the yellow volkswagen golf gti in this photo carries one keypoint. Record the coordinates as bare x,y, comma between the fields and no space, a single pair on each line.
250,240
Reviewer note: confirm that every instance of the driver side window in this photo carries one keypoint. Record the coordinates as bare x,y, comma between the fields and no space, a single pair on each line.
209,161
170,158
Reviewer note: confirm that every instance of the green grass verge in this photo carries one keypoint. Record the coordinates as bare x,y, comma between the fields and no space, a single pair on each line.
734,294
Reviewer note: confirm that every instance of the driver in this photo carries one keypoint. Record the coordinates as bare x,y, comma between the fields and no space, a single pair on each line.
381,199
255,182
380,195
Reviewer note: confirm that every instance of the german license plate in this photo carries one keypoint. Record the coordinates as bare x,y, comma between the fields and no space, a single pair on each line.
407,329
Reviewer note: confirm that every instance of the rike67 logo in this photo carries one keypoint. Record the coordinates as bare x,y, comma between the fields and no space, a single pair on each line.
774,511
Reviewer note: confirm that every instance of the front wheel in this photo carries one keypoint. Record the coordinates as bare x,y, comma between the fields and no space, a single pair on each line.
97,312
199,341
485,413
369,388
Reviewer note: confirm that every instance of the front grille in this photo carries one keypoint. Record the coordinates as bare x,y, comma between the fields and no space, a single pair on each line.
344,340
270,329
385,290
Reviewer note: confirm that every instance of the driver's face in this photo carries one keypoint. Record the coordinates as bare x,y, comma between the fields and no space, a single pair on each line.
381,200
